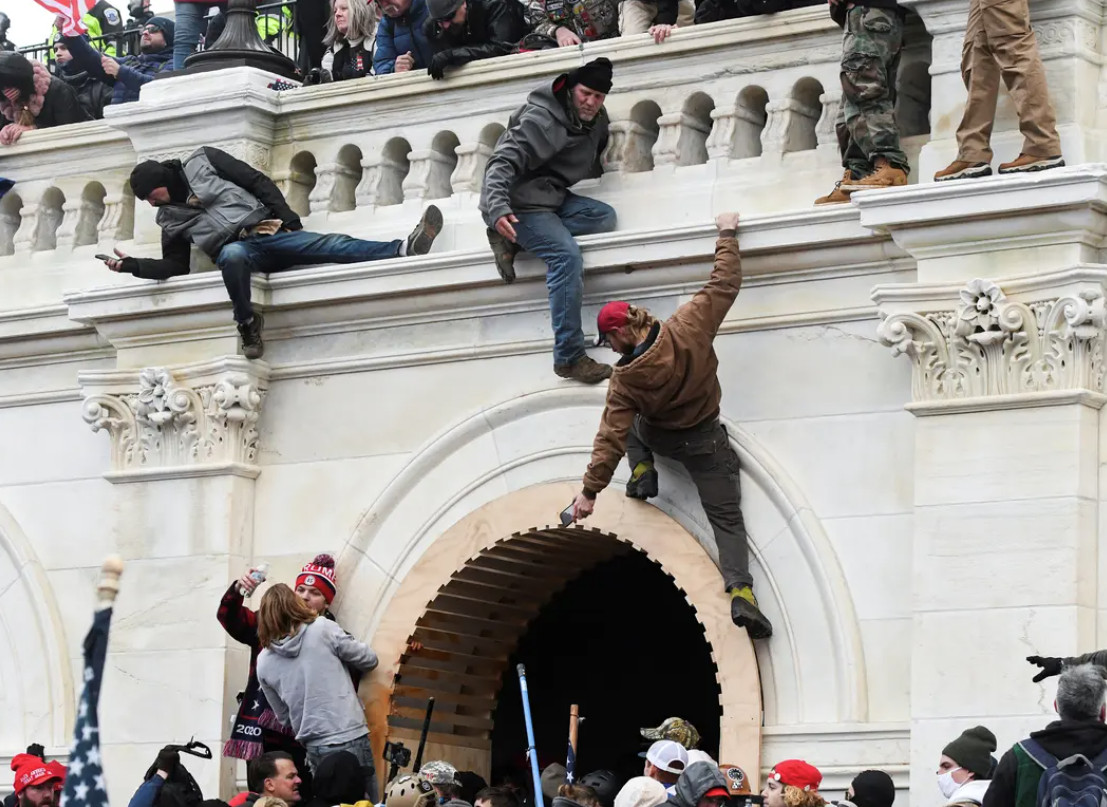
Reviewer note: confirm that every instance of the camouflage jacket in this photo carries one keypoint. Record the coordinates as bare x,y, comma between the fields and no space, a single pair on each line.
588,19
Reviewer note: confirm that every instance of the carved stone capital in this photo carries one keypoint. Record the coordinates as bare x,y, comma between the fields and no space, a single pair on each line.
196,420
988,344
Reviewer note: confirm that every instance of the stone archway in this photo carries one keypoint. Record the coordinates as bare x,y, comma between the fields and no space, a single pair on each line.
472,595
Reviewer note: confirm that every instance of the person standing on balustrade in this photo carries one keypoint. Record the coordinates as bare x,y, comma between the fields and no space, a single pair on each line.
240,219
552,142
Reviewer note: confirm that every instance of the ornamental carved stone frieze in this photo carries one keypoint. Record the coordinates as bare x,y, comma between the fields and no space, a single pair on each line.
198,420
991,345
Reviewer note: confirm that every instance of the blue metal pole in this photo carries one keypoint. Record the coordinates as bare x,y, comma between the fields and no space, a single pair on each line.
536,776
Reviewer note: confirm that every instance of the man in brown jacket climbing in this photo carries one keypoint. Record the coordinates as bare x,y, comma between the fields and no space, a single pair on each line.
664,398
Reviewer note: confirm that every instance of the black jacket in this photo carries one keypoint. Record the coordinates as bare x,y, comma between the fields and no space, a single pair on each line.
93,95
493,28
176,252
1062,738
715,10
352,61
59,107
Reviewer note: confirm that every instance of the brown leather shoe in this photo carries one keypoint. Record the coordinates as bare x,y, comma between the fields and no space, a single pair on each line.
836,196
1026,164
584,370
883,175
960,169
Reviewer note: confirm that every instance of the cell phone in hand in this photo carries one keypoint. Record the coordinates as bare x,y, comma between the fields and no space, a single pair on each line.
102,257
567,516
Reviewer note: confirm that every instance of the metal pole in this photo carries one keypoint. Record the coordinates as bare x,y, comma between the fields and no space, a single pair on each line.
571,759
536,776
423,736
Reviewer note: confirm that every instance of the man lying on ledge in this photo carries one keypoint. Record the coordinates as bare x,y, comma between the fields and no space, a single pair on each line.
241,220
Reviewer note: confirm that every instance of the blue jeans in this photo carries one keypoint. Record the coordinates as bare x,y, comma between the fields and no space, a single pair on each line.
190,23
285,250
360,748
549,235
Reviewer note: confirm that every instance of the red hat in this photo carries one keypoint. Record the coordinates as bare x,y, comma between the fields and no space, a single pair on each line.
60,771
721,792
612,317
797,773
32,772
320,574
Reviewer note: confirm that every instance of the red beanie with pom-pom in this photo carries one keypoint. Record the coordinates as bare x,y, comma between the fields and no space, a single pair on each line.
320,574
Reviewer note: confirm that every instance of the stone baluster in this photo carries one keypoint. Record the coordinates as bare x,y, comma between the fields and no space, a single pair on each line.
667,148
321,197
118,221
429,177
381,183
826,132
631,147
9,226
27,233
790,126
469,174
65,238
720,145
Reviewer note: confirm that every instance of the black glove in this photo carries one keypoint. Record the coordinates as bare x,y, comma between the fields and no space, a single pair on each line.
36,750
168,760
438,64
1050,666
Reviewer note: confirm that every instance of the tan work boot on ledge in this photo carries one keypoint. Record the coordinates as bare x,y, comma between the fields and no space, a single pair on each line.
1027,164
585,370
883,175
960,169
836,196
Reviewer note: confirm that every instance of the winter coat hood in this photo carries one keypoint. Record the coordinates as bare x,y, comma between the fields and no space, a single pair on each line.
697,779
1063,738
16,71
290,646
338,780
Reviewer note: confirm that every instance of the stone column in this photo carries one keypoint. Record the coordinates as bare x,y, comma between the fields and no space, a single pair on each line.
1005,332
183,459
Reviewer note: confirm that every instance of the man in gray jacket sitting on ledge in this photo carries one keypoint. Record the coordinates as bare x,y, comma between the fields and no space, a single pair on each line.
241,220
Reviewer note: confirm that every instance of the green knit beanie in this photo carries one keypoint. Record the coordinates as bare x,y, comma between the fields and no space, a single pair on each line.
973,751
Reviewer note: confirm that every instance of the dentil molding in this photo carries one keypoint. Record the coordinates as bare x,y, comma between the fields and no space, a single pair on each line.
987,345
166,423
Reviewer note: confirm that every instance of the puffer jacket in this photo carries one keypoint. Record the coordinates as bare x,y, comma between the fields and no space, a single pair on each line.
134,71
673,383
544,152
93,94
400,35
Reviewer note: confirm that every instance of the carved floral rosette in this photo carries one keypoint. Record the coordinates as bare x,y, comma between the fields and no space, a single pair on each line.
175,423
993,345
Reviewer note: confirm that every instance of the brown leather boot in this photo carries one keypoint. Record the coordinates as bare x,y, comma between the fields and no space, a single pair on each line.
836,196
883,175
1027,164
584,370
960,169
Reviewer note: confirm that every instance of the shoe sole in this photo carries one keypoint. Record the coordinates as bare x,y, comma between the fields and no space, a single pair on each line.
1034,168
428,228
503,255
756,630
570,377
852,188
820,203
967,173
249,352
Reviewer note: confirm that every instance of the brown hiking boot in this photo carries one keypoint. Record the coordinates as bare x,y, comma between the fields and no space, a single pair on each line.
504,252
836,196
584,370
883,175
1026,164
960,169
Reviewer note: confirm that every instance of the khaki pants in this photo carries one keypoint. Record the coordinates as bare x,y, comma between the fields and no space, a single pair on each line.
636,16
999,42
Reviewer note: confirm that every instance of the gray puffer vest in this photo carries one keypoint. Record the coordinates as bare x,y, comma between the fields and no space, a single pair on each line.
225,209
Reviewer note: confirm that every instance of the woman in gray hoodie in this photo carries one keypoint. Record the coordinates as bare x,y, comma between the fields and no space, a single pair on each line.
302,672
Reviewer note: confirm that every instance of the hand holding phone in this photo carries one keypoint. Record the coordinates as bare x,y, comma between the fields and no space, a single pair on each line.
567,515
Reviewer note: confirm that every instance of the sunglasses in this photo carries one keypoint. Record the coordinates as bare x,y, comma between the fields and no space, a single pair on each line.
151,29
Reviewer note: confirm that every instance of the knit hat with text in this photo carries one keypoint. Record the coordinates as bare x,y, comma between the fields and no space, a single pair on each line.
320,574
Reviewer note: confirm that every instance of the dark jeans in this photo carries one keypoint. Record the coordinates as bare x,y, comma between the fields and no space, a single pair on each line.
360,748
286,250
549,235
706,454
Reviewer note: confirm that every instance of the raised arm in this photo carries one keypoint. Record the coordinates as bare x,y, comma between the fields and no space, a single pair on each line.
709,306
240,623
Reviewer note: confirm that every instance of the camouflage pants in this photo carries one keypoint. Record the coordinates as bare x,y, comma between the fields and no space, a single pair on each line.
866,122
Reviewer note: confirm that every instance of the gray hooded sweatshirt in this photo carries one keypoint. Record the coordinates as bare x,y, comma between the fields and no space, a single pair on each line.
697,779
308,687
544,152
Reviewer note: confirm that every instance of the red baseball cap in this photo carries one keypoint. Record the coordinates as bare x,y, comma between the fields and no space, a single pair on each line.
34,772
612,317
797,773
714,792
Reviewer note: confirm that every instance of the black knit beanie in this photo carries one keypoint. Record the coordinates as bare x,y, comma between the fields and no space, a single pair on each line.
596,75
148,175
873,789
973,751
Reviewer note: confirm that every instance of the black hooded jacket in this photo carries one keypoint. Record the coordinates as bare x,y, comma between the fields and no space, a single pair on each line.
338,780
493,28
1061,738
93,94
697,779
59,106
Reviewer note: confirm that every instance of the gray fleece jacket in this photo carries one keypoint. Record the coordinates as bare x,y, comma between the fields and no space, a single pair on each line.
697,779
544,152
308,687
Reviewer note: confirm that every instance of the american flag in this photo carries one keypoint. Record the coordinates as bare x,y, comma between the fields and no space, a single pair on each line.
571,764
72,10
84,781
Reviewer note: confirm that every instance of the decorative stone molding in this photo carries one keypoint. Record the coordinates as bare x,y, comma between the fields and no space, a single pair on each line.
330,179
681,140
198,420
471,161
992,345
382,181
118,221
629,147
429,177
790,126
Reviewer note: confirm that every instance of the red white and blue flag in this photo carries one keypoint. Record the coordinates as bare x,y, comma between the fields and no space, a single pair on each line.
72,11
84,781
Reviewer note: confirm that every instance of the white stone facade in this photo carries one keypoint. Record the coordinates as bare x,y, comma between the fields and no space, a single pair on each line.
919,524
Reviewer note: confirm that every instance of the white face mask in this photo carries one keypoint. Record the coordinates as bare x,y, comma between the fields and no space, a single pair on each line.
946,784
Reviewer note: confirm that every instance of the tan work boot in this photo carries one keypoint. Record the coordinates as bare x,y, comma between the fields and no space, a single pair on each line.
883,175
1026,164
584,370
836,196
960,169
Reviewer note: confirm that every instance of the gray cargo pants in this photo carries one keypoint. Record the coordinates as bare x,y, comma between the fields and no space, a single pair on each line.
706,454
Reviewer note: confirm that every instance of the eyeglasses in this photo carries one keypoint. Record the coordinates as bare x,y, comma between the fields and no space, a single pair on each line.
151,29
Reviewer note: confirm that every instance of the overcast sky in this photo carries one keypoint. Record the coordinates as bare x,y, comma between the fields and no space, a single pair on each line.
31,22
